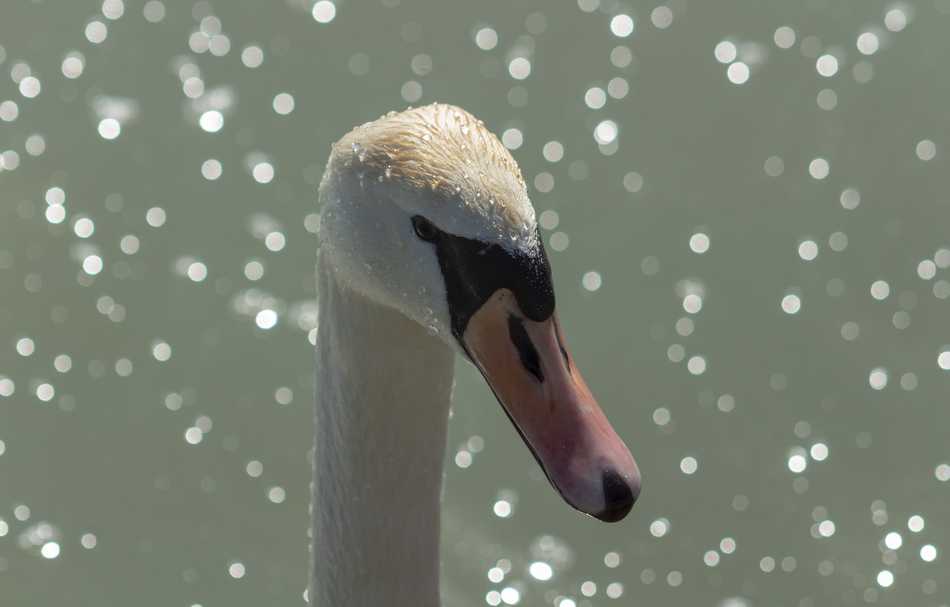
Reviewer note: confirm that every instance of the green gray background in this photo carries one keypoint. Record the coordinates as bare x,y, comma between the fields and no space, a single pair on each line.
107,454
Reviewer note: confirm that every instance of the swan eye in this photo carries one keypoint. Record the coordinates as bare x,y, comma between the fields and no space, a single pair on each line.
424,228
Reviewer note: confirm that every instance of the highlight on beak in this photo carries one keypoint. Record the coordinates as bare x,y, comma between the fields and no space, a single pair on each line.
531,372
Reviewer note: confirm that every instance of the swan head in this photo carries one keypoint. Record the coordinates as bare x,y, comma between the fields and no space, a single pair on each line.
426,212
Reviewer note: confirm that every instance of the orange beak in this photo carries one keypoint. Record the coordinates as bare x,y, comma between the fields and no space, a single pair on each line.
532,374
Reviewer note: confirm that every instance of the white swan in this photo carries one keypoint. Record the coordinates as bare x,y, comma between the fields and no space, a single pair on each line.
428,247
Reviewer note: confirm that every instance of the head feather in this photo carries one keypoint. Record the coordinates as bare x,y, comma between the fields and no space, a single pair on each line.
441,149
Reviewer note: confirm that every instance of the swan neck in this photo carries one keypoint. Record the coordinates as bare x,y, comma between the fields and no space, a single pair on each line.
383,392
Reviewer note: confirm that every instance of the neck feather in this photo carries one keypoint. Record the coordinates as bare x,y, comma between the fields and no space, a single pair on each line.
383,392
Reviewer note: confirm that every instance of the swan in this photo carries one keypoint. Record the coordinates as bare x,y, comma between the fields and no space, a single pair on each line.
428,248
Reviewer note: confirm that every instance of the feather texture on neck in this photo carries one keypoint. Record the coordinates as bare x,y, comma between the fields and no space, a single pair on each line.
383,391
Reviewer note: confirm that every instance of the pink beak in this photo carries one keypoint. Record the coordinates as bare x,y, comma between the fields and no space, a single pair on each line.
532,374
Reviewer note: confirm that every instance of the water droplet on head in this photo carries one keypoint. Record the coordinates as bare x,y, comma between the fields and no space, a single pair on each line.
359,151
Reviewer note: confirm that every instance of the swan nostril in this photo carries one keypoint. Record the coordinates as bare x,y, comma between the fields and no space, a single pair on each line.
528,354
619,496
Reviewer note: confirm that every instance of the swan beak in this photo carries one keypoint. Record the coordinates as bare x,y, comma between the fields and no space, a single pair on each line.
532,374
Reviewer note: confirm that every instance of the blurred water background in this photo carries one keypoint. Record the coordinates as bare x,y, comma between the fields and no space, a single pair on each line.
746,208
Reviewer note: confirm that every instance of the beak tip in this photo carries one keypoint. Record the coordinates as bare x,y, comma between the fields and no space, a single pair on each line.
619,496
